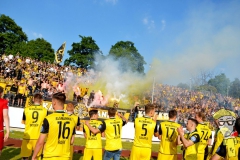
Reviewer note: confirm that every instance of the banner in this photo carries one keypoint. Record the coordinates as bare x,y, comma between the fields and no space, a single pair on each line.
59,53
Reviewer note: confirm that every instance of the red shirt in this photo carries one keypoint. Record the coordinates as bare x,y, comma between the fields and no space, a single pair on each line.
3,105
235,134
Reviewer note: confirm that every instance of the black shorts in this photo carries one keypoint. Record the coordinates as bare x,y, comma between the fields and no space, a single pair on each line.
11,95
20,96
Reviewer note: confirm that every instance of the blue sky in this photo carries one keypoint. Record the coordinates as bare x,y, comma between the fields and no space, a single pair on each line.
179,37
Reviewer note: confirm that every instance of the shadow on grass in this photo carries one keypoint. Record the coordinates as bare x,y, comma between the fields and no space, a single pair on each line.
10,153
77,156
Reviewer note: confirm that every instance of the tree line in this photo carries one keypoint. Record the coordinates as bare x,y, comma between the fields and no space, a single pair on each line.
82,54
213,84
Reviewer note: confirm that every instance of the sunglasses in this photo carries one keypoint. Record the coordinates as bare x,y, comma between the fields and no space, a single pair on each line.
221,123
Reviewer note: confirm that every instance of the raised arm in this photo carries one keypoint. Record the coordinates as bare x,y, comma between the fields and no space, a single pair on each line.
122,117
92,129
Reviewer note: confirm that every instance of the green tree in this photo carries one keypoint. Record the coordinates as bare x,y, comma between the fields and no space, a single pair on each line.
183,86
20,47
40,49
206,87
37,49
128,56
221,83
10,34
234,90
82,53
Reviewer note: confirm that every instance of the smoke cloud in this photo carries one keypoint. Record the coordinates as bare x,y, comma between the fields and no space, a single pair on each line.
208,40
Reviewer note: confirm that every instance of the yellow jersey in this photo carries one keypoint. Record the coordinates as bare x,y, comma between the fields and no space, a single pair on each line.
144,130
169,134
54,83
235,152
60,128
93,141
33,117
229,148
205,134
76,119
191,151
218,140
21,89
113,132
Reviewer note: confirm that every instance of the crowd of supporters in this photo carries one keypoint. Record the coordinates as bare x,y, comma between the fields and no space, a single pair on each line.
187,102
23,76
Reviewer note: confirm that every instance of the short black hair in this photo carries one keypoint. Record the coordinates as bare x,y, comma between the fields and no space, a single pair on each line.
92,112
61,97
193,120
112,112
172,113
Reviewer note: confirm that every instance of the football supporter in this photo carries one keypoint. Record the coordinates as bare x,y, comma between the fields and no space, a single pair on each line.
4,118
205,136
12,93
145,128
190,143
113,131
20,93
32,118
70,111
169,137
237,142
224,144
59,129
93,147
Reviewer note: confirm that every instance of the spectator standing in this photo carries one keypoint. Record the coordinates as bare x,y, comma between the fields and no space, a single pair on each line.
136,109
91,97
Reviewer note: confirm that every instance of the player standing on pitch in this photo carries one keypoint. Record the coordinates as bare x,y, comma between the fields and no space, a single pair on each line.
59,129
205,136
113,132
70,111
169,137
145,128
93,147
33,117
190,143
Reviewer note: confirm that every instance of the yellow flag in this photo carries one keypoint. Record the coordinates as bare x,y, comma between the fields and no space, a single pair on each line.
59,53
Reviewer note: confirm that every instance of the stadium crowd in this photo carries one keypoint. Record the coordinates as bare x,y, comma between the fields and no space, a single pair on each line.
188,103
23,76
